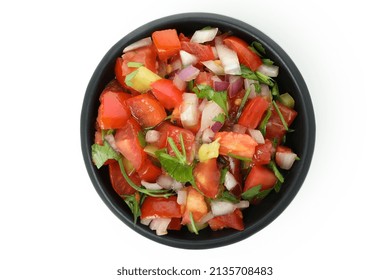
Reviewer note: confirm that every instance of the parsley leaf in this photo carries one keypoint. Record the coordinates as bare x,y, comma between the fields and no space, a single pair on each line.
100,154
220,118
219,97
258,76
255,193
134,205
227,196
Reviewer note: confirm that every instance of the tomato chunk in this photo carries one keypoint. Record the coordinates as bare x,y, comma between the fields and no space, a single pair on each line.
128,144
263,153
148,171
146,110
207,176
167,43
232,220
113,112
274,127
167,93
260,175
160,207
233,143
253,112
202,52
245,55
196,205
118,182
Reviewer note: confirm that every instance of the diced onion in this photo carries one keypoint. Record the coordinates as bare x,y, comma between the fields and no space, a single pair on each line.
210,111
146,221
239,128
256,135
204,35
250,84
207,135
165,181
269,70
229,60
219,207
220,85
189,113
189,73
152,136
179,83
242,204
187,58
160,225
265,92
214,67
150,186
206,218
181,197
176,64
230,181
285,160
111,141
139,44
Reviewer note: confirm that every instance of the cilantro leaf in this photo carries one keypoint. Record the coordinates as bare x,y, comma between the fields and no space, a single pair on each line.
220,118
219,97
255,193
102,153
227,196
134,205
258,76
275,169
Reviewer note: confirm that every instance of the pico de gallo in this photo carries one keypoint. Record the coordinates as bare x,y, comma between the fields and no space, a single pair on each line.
192,129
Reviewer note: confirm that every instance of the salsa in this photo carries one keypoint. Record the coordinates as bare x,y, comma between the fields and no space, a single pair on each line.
192,129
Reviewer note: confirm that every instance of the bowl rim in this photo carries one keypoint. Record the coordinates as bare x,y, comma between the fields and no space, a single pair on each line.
308,114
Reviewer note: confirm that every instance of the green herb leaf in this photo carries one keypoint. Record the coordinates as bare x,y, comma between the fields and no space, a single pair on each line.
267,61
100,154
219,97
194,228
264,79
243,102
134,64
275,169
285,125
176,168
275,91
141,139
255,193
227,196
134,206
264,121
129,77
258,76
239,157
277,186
248,73
258,47
223,175
220,118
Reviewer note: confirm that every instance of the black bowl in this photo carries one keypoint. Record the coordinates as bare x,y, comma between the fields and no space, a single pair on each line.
302,140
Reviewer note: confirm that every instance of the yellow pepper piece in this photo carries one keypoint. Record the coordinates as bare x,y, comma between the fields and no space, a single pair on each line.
208,151
141,79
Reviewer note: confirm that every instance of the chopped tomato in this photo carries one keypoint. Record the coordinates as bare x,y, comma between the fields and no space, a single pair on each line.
175,224
274,127
236,144
145,55
245,55
126,139
113,112
147,110
233,220
283,149
98,137
148,171
263,153
196,205
207,176
235,169
183,37
167,43
253,112
118,182
202,52
204,78
167,93
169,130
160,207
260,175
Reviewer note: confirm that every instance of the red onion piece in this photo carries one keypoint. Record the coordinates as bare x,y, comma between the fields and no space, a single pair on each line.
239,128
179,83
235,86
189,73
216,126
207,135
220,85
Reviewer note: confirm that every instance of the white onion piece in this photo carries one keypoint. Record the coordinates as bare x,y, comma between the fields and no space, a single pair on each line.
150,186
146,221
189,113
249,84
165,181
265,92
177,185
176,64
160,225
214,67
139,44
229,60
220,207
187,58
179,83
207,135
204,35
256,135
152,136
189,73
181,197
206,218
230,181
214,49
111,141
269,70
239,128
202,105
210,111
285,160
242,204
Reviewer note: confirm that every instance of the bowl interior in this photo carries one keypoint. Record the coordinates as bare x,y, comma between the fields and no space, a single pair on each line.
301,141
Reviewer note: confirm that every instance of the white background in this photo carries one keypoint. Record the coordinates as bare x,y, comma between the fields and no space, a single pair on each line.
55,226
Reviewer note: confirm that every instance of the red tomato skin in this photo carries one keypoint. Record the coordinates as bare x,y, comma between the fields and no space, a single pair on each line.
245,55
204,78
118,182
207,176
160,207
274,127
202,52
283,149
147,110
253,112
233,220
148,171
235,169
175,224
113,112
236,144
263,153
260,175
128,144
167,93
196,205
167,43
